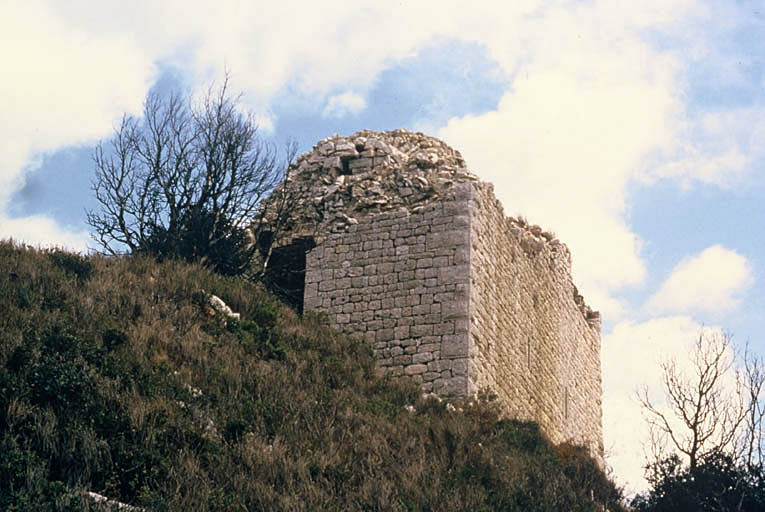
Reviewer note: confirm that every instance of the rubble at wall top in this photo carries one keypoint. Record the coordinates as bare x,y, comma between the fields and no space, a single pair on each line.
345,179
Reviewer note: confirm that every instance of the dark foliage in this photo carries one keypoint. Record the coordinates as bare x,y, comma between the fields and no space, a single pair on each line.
74,264
125,384
230,255
717,484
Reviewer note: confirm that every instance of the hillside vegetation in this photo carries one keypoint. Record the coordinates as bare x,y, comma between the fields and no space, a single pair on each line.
117,378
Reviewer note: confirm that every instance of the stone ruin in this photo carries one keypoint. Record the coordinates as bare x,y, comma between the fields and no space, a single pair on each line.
401,245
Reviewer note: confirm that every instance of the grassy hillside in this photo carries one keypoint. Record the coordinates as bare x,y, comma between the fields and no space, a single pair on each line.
115,378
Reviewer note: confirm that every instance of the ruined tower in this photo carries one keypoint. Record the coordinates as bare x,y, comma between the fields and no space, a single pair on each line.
402,246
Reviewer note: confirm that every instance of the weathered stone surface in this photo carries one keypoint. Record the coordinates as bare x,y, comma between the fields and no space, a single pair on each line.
415,369
221,307
414,254
533,341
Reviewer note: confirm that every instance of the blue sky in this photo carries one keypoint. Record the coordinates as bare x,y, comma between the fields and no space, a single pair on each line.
634,130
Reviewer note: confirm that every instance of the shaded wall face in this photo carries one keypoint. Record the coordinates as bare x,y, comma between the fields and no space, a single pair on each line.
400,280
530,343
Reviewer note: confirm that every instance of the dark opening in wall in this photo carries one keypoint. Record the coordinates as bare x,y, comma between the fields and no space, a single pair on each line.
346,170
285,274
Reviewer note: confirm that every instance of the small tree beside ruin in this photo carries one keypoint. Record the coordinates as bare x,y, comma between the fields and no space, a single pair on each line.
706,438
186,180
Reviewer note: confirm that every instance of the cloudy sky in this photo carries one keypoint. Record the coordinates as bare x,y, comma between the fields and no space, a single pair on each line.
633,130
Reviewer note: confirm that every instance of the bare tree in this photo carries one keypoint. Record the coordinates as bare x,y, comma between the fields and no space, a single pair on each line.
713,408
185,180
275,214
750,447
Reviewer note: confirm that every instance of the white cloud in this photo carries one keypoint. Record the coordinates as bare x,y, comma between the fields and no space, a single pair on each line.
41,231
312,48
611,308
589,100
60,86
712,282
570,135
631,357
343,104
69,70
593,108
718,147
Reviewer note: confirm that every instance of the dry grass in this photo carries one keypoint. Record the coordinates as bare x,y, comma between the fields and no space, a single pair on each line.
114,379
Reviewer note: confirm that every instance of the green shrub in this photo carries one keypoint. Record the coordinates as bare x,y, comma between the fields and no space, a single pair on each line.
257,339
718,483
113,338
73,264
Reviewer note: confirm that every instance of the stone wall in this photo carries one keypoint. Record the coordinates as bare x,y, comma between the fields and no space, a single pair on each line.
400,280
414,254
533,342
